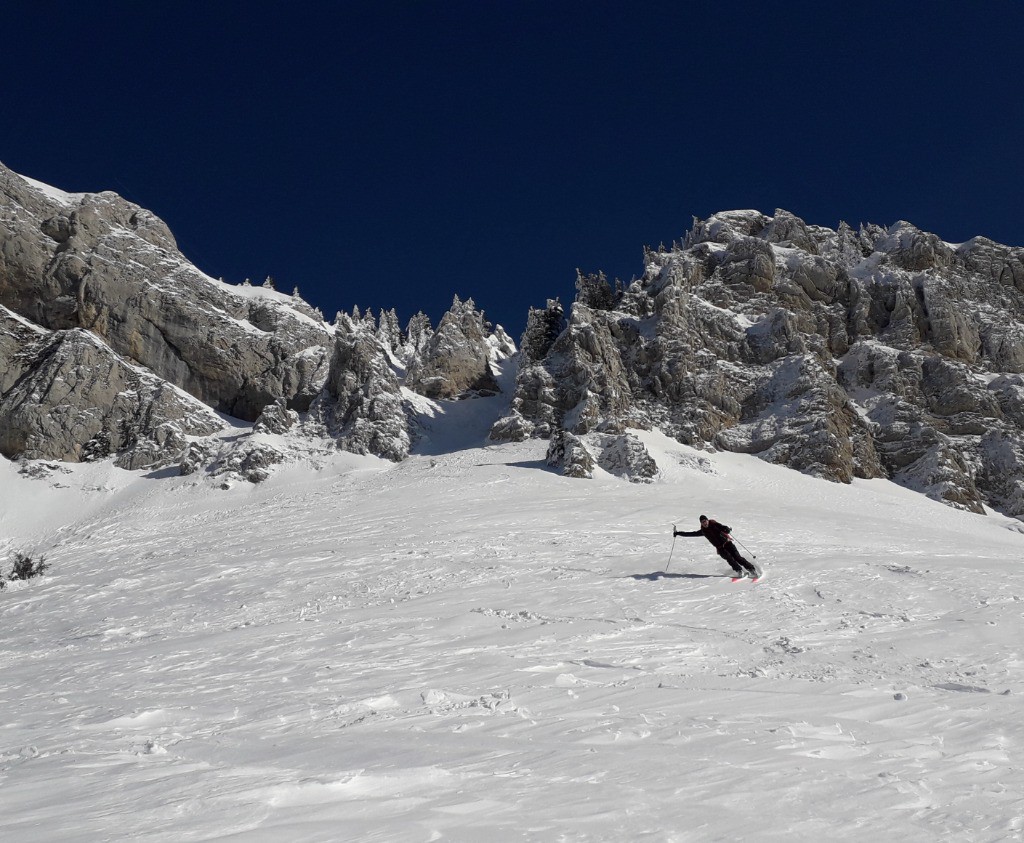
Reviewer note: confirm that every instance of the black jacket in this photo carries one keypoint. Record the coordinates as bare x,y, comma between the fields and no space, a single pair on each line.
717,534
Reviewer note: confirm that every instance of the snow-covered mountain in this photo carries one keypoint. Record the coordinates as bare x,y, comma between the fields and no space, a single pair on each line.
113,345
881,352
416,623
466,646
878,353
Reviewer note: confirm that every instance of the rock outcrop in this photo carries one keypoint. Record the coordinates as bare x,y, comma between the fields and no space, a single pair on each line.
875,352
361,404
570,455
625,456
455,360
113,344
882,352
97,262
67,396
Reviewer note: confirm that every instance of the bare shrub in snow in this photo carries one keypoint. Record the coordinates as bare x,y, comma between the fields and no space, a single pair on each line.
24,567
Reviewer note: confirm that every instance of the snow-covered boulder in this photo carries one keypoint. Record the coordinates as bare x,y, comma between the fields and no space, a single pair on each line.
568,453
625,456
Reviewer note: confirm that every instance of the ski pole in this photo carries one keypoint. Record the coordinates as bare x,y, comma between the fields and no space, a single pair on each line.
747,549
671,549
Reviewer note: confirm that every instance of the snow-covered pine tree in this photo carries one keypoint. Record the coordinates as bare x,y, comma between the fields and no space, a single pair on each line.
388,330
848,245
593,290
543,327
418,332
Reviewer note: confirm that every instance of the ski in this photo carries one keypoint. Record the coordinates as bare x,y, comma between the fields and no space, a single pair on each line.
755,578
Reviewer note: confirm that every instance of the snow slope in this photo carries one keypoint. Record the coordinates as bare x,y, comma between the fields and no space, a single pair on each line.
466,646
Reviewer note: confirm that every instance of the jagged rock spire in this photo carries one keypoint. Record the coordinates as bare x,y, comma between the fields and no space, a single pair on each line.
456,359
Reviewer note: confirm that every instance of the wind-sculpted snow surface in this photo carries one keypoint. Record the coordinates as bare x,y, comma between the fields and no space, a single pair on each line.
842,354
463,646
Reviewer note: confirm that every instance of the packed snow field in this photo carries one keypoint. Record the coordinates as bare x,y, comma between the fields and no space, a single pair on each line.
467,646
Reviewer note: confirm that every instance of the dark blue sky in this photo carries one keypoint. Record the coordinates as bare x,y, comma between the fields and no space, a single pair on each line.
388,154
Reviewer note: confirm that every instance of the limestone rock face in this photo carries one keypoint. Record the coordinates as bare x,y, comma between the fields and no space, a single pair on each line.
20,341
532,406
787,229
96,262
76,400
882,352
875,352
361,405
112,344
999,474
799,416
455,360
577,382
276,418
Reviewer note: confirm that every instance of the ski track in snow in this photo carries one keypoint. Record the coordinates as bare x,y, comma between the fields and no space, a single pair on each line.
466,646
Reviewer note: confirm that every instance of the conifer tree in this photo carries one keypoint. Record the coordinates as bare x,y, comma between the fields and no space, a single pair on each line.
543,327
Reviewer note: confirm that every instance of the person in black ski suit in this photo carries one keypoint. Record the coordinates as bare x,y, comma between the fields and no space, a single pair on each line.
718,535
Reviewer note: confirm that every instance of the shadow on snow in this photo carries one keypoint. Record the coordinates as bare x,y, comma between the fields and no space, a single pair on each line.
665,575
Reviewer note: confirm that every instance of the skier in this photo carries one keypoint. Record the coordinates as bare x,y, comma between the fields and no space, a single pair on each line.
718,535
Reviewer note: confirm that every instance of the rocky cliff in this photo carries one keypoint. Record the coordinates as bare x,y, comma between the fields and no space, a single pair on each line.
113,345
881,352
66,395
847,353
96,262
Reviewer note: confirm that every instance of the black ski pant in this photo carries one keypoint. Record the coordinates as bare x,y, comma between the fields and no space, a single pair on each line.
731,555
